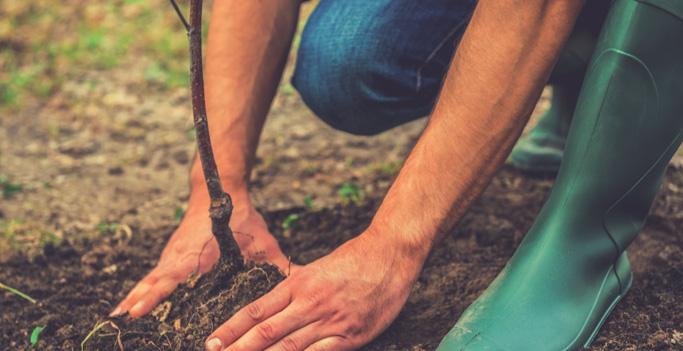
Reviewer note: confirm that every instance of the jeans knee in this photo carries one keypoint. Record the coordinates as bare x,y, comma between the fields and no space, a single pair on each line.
350,82
334,85
344,105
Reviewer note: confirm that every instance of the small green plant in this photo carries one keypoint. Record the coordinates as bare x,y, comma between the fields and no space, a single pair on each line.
385,168
9,188
16,235
308,202
10,229
179,213
107,228
35,335
350,192
289,221
48,237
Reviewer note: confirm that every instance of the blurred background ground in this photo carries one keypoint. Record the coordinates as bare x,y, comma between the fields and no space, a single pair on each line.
96,130
96,134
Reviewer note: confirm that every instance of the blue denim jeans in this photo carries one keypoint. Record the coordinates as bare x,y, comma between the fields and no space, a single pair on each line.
365,66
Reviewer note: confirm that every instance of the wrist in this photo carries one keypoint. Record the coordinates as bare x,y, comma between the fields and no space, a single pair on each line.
234,179
408,254
412,222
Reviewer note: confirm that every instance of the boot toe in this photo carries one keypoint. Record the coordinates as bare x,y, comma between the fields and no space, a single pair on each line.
463,339
533,156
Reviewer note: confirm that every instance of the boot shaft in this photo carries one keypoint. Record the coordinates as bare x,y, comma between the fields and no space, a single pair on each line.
628,122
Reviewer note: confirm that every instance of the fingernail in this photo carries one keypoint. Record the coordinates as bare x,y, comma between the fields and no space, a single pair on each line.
116,312
137,309
214,344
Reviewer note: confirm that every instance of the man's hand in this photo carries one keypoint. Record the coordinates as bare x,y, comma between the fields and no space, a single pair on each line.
244,62
339,302
192,248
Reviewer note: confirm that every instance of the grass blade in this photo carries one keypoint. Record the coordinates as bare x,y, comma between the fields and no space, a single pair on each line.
18,293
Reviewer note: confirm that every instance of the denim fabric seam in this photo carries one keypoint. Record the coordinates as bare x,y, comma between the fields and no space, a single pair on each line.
431,56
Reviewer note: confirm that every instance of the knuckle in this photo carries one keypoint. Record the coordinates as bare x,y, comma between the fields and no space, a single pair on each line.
145,283
229,333
266,332
337,317
225,332
151,277
353,328
177,250
355,325
254,311
289,344
177,276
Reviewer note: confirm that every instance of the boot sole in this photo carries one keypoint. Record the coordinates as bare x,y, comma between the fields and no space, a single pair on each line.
622,270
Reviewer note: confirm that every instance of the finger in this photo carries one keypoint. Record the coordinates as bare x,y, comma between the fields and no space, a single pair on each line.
158,292
257,311
300,339
140,289
274,329
332,343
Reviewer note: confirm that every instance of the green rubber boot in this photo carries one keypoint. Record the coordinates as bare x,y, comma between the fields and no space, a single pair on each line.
571,269
540,151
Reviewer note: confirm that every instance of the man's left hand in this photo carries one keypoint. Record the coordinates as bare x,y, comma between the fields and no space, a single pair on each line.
340,302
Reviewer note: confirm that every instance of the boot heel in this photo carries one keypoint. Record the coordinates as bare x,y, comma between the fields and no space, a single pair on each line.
623,270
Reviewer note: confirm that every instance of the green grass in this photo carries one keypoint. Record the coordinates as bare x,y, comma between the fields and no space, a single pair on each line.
179,213
350,192
289,221
17,292
308,202
50,42
17,235
54,41
107,228
385,168
9,188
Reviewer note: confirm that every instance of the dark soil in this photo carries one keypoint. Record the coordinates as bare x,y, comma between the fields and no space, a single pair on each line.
192,312
77,284
107,150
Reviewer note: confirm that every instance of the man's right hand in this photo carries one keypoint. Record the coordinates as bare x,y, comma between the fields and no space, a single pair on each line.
192,248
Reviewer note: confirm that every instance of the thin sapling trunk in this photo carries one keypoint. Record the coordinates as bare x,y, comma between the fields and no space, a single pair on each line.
221,204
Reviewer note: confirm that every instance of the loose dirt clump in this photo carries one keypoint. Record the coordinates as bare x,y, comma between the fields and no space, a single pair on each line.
191,313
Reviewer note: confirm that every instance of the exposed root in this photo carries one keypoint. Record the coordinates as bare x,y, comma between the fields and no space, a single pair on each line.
99,326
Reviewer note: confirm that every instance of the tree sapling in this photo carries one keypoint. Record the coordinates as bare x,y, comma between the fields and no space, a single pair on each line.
220,209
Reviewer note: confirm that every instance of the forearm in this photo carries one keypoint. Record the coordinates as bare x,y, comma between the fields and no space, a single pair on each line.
494,81
247,49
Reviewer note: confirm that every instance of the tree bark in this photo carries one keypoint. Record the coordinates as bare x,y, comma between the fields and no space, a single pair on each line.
220,209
